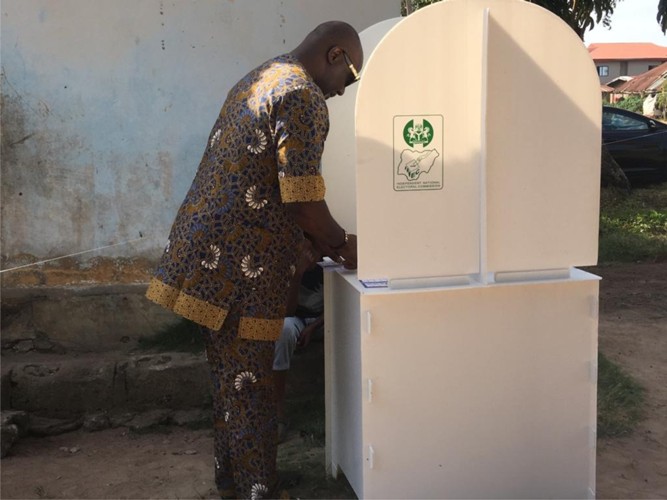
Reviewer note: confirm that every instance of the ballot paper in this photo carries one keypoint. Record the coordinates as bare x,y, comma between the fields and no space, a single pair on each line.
375,283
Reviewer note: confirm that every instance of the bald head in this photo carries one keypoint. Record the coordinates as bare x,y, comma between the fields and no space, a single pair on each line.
327,53
333,33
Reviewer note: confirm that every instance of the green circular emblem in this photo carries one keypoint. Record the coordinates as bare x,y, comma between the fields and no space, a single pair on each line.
418,132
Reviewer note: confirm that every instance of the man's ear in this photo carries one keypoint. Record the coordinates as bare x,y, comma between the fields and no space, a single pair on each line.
334,53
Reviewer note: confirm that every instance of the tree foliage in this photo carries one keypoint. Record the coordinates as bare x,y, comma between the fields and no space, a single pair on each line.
661,100
633,102
580,15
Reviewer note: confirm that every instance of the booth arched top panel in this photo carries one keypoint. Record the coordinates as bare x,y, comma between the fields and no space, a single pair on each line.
477,144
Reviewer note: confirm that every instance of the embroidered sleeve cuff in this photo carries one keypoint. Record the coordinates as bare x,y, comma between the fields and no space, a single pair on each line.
300,189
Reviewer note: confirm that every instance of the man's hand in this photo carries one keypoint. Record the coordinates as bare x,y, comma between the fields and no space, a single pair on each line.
347,254
307,332
316,221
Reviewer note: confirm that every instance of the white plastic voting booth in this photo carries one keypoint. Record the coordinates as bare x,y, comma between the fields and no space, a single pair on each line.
461,356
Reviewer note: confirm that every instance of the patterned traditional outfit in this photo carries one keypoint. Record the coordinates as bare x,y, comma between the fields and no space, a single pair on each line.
232,251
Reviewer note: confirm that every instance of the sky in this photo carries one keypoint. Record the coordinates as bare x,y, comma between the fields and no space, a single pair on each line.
632,21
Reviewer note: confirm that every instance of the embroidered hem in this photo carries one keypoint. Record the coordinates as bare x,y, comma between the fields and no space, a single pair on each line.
192,308
209,315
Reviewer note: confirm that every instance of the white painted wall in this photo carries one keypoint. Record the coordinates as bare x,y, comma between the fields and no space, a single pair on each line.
107,106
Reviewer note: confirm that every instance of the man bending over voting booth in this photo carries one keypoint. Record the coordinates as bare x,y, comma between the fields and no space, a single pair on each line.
461,355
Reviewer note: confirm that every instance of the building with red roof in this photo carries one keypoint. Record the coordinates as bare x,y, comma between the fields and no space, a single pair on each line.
625,59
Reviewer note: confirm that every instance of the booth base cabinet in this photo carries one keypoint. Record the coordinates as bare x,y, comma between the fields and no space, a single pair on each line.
464,392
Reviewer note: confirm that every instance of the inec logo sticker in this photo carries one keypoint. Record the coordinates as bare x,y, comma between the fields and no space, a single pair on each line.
419,167
418,132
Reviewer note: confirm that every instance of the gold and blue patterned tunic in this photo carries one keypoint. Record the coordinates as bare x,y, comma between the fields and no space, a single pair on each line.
233,244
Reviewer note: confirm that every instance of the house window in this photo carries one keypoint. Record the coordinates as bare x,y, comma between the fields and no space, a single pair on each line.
603,70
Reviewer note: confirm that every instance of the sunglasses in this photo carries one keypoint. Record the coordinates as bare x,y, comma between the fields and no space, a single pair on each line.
353,70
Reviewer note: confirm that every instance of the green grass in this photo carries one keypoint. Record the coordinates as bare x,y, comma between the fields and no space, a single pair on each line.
620,400
633,227
183,336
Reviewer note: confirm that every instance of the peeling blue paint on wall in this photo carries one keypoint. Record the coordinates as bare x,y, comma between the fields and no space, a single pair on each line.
106,109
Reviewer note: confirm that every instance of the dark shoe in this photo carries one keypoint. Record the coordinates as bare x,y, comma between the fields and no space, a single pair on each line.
288,480
225,494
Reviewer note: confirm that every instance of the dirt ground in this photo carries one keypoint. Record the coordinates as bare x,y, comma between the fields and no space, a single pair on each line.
177,463
633,333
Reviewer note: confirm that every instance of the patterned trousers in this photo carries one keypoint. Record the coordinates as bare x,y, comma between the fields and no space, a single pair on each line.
244,412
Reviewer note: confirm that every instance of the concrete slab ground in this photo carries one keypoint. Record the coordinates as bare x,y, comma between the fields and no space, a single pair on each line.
80,318
76,384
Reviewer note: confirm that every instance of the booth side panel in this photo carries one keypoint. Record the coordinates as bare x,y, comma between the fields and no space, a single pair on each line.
344,388
593,408
339,159
418,147
543,142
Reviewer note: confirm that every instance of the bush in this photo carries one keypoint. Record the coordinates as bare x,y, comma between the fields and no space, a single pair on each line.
661,100
633,103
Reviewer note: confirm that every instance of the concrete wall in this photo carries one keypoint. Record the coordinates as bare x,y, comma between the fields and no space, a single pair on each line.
106,107
639,67
634,68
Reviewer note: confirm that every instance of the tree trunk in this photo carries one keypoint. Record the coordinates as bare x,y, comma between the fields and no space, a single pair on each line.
612,175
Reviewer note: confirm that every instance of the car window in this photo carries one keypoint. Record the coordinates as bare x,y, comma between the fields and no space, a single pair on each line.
615,121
